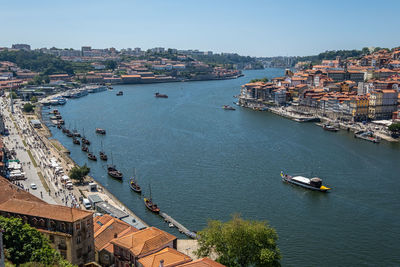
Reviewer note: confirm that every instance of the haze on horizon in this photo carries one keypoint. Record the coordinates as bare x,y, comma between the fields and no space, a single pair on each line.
255,28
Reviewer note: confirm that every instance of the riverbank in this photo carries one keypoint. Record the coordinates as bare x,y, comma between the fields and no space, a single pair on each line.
300,116
46,154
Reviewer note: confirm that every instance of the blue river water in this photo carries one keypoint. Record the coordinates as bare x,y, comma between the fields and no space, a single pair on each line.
204,163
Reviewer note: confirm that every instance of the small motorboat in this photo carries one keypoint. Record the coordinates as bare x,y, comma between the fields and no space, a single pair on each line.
171,225
160,95
227,107
62,122
120,93
330,128
59,126
69,134
76,134
100,131
92,157
313,183
76,141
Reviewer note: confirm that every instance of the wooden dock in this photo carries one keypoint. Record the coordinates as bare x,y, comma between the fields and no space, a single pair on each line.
180,227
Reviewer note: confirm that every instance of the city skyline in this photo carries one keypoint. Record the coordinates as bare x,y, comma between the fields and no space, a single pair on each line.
259,28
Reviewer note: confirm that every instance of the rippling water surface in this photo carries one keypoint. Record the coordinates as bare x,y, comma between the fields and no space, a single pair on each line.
204,162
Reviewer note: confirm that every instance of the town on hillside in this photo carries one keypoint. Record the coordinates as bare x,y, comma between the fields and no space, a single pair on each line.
363,89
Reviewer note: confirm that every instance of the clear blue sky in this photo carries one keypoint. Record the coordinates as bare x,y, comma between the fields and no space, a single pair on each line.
256,28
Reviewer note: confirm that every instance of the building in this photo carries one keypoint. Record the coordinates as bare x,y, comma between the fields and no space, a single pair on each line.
107,229
21,46
168,257
132,247
69,230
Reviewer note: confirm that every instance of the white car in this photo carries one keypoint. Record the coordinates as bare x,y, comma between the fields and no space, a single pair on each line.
33,186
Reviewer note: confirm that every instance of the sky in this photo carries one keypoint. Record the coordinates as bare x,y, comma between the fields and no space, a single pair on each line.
246,27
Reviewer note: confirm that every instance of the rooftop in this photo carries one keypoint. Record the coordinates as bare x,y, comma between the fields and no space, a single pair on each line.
204,262
170,256
144,241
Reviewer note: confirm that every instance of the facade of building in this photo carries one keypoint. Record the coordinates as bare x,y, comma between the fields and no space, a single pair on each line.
69,230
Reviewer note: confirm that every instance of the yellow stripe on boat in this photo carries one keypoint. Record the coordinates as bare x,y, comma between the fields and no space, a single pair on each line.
324,188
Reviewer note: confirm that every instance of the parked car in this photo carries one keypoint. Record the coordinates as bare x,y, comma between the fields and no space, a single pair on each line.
33,186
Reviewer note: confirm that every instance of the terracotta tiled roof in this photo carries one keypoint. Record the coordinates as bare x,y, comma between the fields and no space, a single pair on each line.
170,256
144,241
44,210
106,228
9,191
204,262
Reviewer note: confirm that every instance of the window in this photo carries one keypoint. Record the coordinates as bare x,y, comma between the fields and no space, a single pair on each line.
89,248
79,253
88,223
78,239
78,226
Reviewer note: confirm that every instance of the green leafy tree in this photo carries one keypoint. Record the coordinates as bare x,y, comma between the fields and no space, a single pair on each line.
24,244
33,99
13,95
28,107
37,80
240,243
394,128
111,64
264,80
78,173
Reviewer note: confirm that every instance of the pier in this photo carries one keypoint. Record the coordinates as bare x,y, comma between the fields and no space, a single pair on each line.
180,227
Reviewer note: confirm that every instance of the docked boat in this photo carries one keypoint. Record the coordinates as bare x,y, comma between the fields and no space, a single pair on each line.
85,141
114,173
96,88
368,136
100,131
330,128
120,93
227,107
92,156
69,134
76,134
160,95
76,141
103,156
313,183
62,122
150,204
134,185
64,130
59,125
84,148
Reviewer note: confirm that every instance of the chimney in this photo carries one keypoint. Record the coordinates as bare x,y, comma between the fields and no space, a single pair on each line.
161,263
115,235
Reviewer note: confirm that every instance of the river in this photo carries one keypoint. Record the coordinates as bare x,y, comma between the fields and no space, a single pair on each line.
204,162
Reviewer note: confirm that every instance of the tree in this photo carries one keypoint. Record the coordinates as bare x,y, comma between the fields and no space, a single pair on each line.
264,80
78,173
33,99
394,128
240,243
28,107
24,244
13,95
111,64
